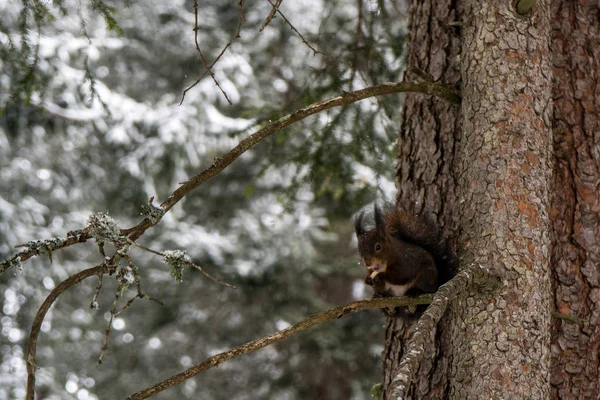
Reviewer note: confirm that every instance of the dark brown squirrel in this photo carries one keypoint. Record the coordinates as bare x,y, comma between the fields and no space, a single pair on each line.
405,254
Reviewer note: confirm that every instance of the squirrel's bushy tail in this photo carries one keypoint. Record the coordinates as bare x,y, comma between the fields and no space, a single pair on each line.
422,231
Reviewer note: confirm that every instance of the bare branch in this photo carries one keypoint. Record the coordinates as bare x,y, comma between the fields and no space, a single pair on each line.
39,318
236,35
336,312
246,144
208,67
113,312
474,274
191,264
271,15
571,319
219,164
94,303
315,51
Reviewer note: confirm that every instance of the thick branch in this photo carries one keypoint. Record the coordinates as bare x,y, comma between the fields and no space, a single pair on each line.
334,313
474,274
246,144
39,318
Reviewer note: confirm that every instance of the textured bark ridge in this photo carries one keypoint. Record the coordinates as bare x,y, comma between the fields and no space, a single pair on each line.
502,344
426,153
575,212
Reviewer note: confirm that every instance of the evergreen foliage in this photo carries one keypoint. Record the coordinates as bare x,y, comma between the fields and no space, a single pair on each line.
91,123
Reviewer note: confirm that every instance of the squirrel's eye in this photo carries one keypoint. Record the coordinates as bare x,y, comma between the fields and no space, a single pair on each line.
377,247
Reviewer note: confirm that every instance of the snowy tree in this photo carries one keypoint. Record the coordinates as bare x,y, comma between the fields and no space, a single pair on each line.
92,123
246,135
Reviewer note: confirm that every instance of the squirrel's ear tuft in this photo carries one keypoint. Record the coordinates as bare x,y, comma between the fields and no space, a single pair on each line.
379,223
358,224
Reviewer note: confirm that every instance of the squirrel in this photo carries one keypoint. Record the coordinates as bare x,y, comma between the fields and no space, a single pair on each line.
405,254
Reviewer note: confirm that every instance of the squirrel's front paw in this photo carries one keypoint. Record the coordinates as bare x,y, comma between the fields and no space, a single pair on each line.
375,279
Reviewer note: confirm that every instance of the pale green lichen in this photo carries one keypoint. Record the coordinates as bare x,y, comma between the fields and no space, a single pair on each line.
125,277
102,228
152,213
177,260
14,262
40,246
33,246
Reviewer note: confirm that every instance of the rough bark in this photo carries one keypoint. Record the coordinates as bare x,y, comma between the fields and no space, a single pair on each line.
495,176
426,155
575,212
502,344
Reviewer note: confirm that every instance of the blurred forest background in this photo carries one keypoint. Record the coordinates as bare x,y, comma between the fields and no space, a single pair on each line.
91,122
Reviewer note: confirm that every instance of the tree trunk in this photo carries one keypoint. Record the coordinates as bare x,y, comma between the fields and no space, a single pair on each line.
426,157
501,345
518,189
575,212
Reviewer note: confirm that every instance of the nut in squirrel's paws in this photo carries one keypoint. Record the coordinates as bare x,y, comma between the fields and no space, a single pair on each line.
412,308
372,278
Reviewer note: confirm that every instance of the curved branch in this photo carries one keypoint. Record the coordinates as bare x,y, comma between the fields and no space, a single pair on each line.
315,319
246,144
39,318
219,164
415,349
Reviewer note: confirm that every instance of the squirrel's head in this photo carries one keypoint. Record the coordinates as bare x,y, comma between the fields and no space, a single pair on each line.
372,244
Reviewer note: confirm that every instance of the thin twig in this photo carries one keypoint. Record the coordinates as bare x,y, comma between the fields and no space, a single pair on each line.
139,295
101,250
571,319
126,306
236,35
271,15
357,39
435,89
94,303
191,264
315,51
315,319
138,283
149,250
208,68
39,318
107,330
209,276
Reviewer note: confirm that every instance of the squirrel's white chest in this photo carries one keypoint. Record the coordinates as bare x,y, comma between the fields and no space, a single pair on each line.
397,290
